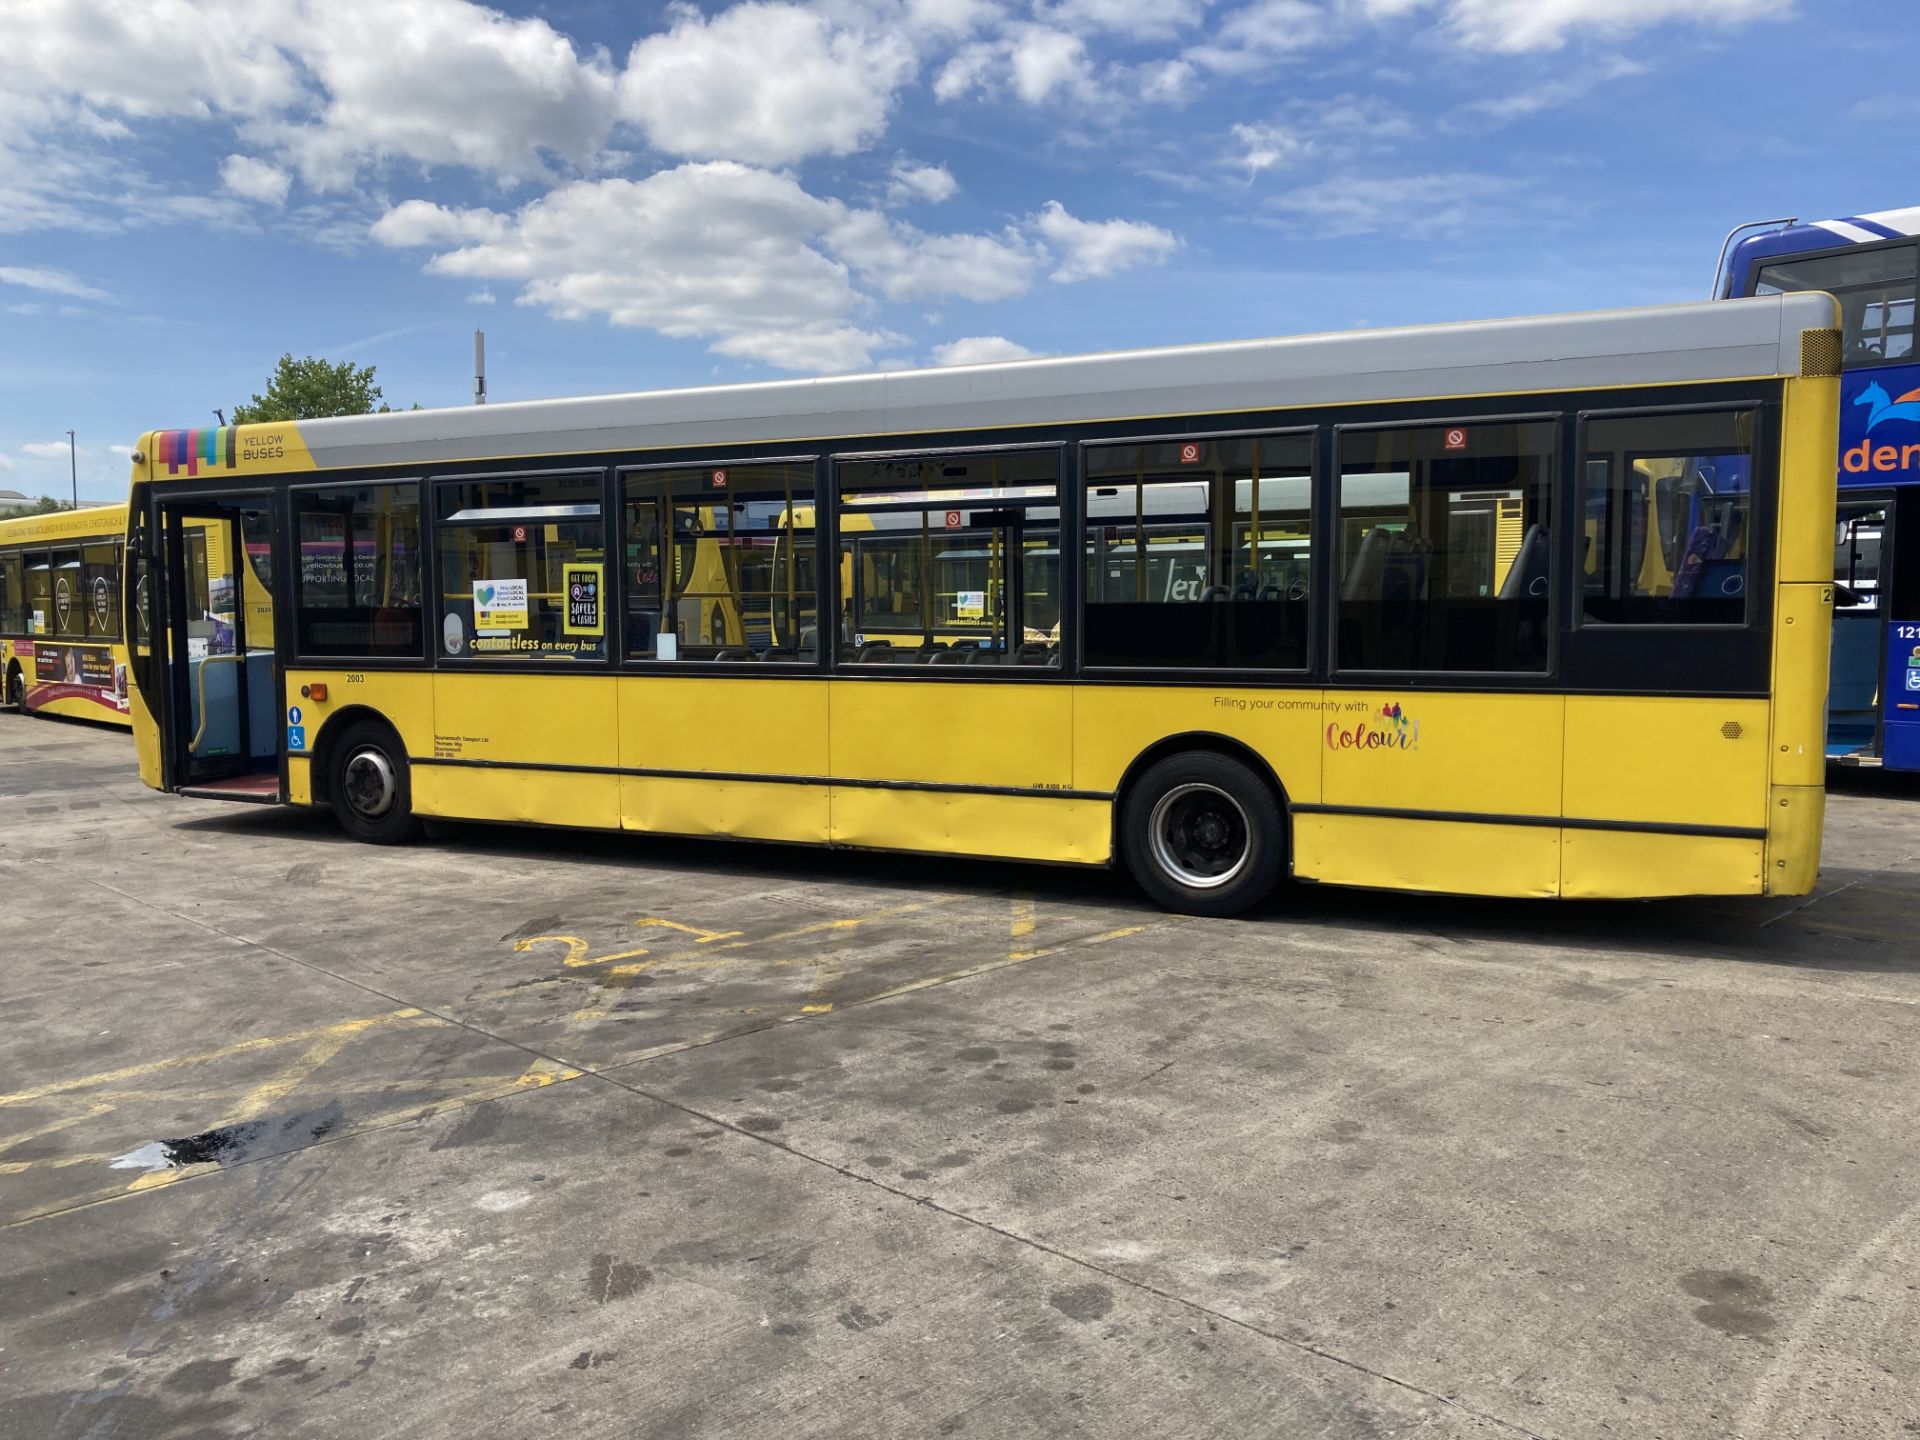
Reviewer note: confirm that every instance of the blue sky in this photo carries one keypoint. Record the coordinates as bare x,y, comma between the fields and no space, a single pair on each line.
637,196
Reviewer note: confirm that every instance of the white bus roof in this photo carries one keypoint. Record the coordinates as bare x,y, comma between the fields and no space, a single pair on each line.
1719,340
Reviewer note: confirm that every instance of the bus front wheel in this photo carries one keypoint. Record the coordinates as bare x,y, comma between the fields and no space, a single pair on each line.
17,689
369,784
1202,834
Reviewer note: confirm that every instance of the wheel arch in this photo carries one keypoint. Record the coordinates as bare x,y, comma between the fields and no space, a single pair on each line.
1204,740
331,729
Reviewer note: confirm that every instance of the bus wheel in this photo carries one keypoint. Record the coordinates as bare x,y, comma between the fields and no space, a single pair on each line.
370,787
1203,835
17,689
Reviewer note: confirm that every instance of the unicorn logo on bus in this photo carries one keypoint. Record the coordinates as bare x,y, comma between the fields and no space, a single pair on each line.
1884,407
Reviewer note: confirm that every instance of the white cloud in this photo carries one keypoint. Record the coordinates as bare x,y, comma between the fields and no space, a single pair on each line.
1516,25
480,297
443,82
1261,34
421,222
1136,19
6,462
741,258
980,350
911,180
1044,60
1361,205
1094,249
255,179
45,449
904,263
53,282
1265,147
767,83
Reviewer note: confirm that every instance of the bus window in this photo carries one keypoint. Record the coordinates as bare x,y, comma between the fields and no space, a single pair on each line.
1875,288
357,589
1197,553
39,593
13,596
1697,470
512,551
951,560
69,599
720,563
100,583
1444,544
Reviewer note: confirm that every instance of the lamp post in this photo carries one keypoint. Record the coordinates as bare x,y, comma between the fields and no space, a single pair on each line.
73,469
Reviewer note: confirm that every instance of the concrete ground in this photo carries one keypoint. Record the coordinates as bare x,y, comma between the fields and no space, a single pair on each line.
531,1134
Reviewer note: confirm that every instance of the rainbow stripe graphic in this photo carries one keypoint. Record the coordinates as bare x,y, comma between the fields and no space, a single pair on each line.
215,448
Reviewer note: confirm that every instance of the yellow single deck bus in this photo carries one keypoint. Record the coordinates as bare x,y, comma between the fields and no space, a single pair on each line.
61,647
1531,607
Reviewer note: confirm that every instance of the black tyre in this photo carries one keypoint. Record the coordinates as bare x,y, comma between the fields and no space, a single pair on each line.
17,689
1203,835
369,783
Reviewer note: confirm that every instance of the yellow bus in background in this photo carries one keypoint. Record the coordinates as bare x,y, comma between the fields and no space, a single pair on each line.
1529,607
61,647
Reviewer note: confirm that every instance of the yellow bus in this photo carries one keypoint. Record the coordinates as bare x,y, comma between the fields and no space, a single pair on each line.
1524,608
61,647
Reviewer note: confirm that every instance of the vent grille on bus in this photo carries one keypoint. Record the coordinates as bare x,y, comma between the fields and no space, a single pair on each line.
1732,730
1819,352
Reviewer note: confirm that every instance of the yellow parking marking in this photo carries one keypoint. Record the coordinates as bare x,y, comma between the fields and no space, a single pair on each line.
706,937
51,1128
241,1047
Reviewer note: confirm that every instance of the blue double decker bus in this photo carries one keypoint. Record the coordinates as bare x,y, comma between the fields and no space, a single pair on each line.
1869,263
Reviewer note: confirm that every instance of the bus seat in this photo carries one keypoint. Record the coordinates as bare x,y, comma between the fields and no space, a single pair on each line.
1722,580
735,653
1369,563
1031,652
951,655
1215,592
1528,573
874,652
810,642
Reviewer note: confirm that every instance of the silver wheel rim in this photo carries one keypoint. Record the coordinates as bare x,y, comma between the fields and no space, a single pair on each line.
1200,835
369,783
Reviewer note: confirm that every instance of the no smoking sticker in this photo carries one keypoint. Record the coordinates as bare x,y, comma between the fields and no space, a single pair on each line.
1456,439
1189,454
953,519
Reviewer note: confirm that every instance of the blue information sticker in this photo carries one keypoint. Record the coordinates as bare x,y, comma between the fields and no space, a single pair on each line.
293,716
296,737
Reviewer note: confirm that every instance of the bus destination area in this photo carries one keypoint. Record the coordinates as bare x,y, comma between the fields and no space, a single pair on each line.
533,1132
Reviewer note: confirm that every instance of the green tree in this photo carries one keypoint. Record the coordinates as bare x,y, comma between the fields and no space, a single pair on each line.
312,389
45,505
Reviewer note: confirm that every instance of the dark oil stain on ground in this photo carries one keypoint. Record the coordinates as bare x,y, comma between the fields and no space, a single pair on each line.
254,1139
609,1279
1084,1303
1735,1302
202,1377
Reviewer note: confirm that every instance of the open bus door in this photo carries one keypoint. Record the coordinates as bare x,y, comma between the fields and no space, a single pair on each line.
221,694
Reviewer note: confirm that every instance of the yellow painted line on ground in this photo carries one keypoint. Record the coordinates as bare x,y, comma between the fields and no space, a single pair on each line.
706,937
852,922
241,1047
1024,920
101,1107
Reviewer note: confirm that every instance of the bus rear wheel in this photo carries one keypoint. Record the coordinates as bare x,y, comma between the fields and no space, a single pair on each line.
1203,835
17,689
371,787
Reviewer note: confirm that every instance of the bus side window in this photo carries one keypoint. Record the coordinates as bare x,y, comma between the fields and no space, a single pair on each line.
358,570
100,587
13,616
951,559
720,563
1875,288
1445,538
513,549
1687,479
1198,553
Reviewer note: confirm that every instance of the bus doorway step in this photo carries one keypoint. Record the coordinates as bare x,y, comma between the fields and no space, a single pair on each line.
254,789
1856,760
